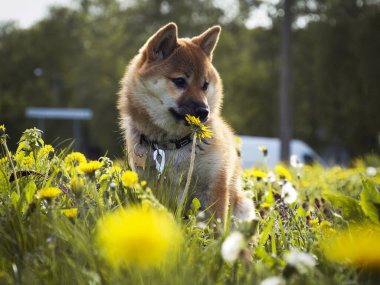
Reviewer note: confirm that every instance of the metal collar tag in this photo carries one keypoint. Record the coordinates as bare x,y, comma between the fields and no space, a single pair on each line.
159,158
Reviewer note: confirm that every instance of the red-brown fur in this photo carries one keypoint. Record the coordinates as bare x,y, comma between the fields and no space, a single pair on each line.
147,94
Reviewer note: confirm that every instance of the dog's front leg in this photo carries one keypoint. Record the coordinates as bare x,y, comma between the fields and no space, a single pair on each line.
219,197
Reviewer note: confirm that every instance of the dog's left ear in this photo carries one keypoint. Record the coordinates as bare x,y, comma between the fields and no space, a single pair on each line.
208,40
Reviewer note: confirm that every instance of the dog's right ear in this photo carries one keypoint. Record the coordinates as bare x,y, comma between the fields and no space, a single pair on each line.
162,43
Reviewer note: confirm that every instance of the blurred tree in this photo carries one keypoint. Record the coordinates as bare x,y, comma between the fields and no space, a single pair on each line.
336,70
75,57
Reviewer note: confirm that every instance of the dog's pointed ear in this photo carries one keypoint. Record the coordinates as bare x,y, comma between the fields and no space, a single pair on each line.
208,40
162,43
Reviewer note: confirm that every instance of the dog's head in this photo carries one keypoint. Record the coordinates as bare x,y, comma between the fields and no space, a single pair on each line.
175,76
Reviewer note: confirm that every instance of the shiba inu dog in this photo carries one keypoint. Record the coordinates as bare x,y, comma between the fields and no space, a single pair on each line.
169,78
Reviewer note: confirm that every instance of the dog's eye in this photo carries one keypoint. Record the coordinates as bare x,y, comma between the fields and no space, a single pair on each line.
179,82
205,86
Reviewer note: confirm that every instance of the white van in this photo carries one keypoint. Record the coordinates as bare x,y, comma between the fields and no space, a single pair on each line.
252,156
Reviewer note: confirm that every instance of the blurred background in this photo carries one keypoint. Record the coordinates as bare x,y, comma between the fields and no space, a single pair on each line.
72,54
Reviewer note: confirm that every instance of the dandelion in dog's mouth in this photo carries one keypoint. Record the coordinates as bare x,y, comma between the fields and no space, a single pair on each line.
200,131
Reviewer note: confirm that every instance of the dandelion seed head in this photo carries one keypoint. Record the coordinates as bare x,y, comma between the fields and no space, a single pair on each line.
232,246
371,171
271,177
295,257
201,215
288,193
201,225
274,280
295,162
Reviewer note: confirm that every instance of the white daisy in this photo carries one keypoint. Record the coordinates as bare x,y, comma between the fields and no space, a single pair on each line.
232,246
288,193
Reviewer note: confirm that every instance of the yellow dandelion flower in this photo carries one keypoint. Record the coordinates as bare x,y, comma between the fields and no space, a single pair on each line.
48,193
358,246
70,213
75,159
90,167
264,150
142,237
129,178
325,224
193,120
2,129
283,173
266,205
76,184
314,222
46,150
201,131
3,160
376,180
143,183
204,132
115,169
27,162
258,173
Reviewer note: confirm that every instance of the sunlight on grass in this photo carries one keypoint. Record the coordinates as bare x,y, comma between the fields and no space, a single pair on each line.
67,220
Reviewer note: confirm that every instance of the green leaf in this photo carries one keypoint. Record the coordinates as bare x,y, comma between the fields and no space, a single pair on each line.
266,231
269,198
301,212
4,184
15,198
349,206
30,189
262,254
370,201
195,205
273,242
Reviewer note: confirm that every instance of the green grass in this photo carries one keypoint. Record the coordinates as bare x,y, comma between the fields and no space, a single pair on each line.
40,245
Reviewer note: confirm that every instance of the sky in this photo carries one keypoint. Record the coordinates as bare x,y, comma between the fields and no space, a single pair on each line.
28,12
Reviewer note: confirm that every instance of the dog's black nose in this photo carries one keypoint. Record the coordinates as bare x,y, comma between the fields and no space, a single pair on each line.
202,113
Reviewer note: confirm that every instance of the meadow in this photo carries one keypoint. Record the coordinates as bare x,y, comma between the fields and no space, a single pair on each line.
67,220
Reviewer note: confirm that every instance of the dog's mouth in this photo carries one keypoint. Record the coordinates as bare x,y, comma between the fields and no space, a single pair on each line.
181,117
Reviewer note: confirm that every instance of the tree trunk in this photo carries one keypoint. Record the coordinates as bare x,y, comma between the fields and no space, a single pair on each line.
285,84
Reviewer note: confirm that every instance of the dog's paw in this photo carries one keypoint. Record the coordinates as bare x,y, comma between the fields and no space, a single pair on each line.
244,209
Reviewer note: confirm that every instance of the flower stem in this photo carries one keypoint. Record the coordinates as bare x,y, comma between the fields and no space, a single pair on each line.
189,174
11,162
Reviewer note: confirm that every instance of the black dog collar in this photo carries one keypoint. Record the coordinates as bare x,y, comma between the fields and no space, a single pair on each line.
169,145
